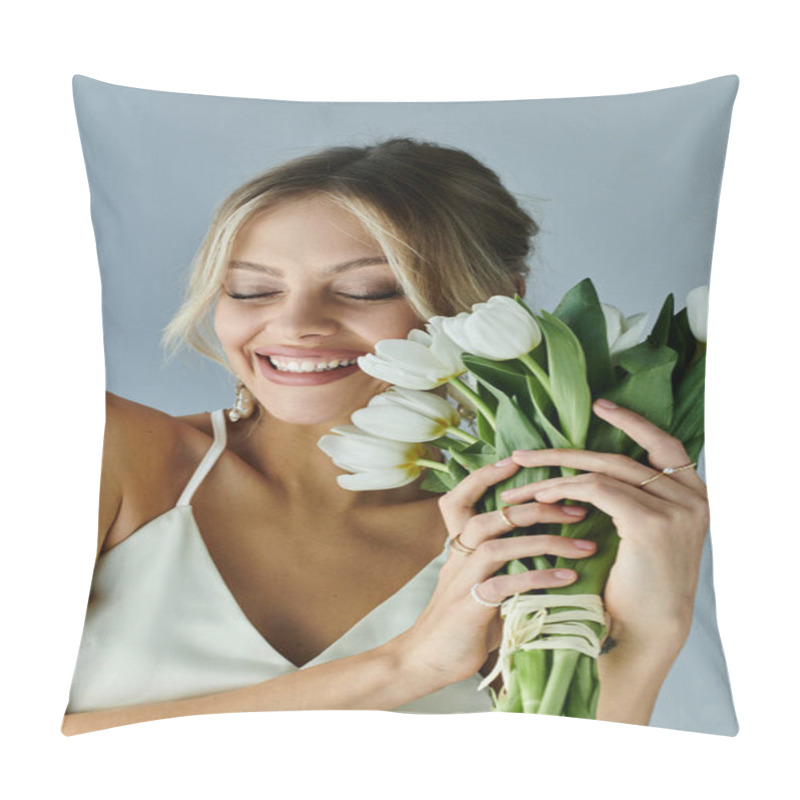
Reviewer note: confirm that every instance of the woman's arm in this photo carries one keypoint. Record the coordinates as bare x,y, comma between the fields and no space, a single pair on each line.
378,679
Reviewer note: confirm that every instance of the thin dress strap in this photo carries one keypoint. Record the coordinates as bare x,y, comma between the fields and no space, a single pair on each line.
209,459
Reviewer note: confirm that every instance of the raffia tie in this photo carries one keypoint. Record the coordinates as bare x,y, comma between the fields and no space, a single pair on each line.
527,620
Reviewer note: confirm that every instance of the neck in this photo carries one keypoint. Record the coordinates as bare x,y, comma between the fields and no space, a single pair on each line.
288,456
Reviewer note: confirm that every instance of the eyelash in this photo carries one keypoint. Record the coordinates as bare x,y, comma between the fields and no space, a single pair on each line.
388,296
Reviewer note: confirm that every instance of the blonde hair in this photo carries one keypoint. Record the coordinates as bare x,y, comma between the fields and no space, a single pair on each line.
452,233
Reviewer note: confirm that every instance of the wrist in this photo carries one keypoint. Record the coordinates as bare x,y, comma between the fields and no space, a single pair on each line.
631,673
412,670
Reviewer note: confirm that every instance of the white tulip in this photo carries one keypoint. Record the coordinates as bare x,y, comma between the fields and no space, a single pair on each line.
499,329
423,360
697,312
407,415
623,332
378,463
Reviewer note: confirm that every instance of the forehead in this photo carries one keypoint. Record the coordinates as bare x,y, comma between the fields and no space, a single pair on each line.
310,230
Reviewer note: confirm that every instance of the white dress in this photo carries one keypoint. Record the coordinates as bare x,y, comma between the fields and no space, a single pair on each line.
162,624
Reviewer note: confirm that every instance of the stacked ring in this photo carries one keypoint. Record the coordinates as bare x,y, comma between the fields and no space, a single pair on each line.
667,471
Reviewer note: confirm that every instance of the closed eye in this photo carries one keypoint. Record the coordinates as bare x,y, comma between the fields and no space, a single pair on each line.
237,296
262,295
384,296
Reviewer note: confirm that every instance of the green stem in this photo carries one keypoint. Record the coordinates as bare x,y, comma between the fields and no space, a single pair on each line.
558,682
475,398
531,675
596,692
463,435
424,462
579,701
538,372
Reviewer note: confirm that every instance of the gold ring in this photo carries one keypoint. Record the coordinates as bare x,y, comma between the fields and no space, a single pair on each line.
459,546
667,471
504,514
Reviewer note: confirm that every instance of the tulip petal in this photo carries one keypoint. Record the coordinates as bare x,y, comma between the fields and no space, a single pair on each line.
413,354
377,479
359,453
697,312
632,330
613,318
399,424
393,372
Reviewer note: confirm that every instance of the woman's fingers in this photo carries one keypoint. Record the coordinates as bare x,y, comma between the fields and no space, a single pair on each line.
500,587
458,505
662,449
637,514
615,466
490,525
494,553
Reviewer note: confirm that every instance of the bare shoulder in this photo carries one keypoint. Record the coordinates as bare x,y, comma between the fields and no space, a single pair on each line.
147,456
134,429
199,422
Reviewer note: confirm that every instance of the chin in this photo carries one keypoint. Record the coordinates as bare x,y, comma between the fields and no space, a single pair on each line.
320,405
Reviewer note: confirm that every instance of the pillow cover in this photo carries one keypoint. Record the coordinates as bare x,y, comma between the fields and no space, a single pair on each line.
624,189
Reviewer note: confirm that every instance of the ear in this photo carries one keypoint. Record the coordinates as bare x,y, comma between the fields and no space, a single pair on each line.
519,283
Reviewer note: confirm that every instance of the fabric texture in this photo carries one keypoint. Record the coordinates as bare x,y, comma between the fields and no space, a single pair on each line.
625,190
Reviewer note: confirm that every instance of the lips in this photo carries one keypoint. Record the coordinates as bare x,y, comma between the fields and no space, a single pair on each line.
305,378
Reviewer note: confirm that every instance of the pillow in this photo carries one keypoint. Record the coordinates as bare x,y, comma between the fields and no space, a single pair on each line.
624,189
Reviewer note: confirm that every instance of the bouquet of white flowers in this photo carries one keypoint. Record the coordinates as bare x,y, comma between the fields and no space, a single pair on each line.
525,380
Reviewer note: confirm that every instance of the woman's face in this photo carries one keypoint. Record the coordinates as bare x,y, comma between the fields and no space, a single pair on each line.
308,287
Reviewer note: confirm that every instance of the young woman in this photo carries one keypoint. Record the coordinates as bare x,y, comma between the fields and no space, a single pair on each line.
234,574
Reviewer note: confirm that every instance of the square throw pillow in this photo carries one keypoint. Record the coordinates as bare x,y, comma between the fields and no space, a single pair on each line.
301,509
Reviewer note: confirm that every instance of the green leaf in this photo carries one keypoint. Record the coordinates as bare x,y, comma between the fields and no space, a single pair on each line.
484,428
646,389
436,481
580,309
457,472
506,376
515,431
689,418
569,387
542,409
682,341
474,456
659,336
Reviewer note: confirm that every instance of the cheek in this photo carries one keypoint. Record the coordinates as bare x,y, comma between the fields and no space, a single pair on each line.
395,325
231,327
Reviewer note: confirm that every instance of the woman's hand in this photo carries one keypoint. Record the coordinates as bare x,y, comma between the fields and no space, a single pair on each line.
662,525
455,634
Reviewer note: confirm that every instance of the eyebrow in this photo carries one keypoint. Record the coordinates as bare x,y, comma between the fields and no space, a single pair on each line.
334,270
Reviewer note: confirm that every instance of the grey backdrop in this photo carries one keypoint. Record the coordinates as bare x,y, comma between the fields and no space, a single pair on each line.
625,189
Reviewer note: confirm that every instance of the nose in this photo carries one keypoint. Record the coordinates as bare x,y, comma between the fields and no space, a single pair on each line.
302,316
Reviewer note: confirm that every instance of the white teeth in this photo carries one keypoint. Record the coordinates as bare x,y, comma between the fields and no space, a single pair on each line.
309,366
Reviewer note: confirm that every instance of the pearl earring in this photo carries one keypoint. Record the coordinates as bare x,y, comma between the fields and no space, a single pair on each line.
244,404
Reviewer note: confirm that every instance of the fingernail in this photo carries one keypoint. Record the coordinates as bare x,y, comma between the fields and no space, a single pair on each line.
564,574
606,404
583,544
521,452
574,511
504,463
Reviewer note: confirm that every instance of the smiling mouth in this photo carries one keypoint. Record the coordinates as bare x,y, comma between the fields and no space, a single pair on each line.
287,371
304,366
